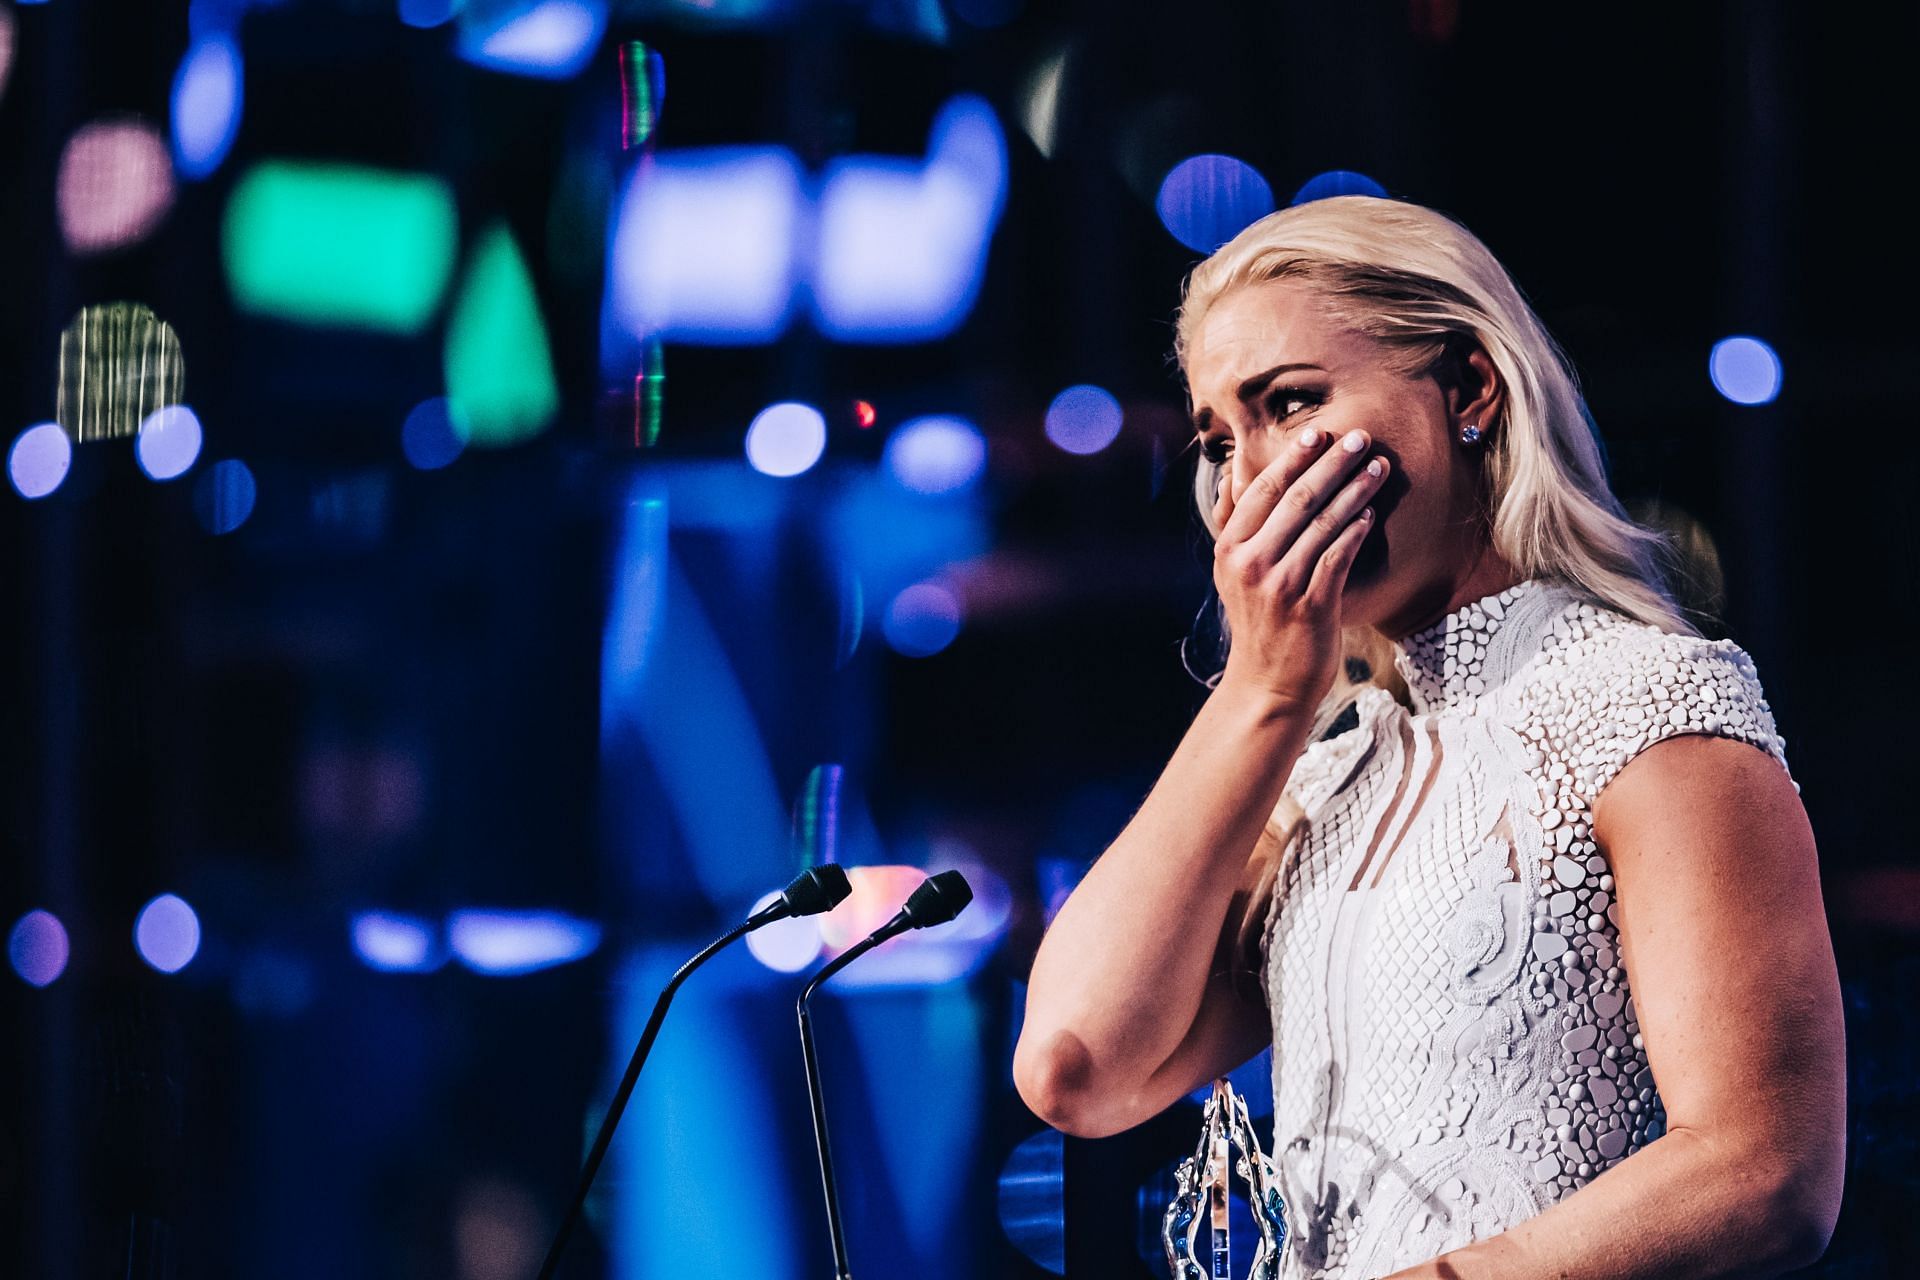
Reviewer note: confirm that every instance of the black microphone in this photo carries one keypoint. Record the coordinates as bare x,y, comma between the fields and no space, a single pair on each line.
815,890
938,899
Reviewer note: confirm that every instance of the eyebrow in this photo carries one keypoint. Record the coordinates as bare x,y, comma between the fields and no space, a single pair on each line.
1248,389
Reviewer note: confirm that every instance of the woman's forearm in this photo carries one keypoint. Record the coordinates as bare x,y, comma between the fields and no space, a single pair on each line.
1121,973
1689,1205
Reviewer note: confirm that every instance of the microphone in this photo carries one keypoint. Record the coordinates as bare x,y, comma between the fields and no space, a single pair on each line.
815,890
938,899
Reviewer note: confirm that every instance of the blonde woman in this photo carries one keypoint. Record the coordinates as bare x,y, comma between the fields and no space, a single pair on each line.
1531,907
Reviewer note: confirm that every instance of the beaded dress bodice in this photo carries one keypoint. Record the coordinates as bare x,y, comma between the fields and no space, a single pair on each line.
1455,1046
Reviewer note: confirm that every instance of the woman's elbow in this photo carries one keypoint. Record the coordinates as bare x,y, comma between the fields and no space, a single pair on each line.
1802,1205
1055,1078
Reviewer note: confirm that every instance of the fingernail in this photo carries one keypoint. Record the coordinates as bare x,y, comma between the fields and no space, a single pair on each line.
1375,467
1309,438
1355,441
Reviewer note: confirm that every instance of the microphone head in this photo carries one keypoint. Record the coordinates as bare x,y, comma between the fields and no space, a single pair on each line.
816,889
938,899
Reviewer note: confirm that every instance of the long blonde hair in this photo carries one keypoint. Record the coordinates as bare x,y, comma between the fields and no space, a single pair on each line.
1426,288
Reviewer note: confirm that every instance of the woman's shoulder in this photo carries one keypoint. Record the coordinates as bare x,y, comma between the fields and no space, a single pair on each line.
1606,686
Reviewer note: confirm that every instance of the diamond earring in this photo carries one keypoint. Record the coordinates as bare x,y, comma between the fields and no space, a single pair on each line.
1470,434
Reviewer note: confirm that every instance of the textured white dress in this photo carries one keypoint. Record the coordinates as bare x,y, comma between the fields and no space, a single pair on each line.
1455,1045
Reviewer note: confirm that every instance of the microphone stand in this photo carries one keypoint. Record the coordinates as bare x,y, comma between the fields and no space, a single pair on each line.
840,1271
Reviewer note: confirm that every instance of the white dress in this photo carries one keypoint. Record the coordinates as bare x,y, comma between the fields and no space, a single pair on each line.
1455,1046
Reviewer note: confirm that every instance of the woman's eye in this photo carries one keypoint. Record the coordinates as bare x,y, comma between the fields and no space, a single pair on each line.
1281,403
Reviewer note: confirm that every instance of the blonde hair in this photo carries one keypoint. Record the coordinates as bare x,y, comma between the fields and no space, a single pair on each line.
1427,289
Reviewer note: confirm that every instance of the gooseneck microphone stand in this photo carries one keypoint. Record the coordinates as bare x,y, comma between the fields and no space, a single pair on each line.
813,891
939,899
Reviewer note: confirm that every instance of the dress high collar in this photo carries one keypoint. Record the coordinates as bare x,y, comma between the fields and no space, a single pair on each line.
1473,650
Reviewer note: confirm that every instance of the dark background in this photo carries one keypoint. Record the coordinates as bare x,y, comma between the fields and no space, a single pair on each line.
232,718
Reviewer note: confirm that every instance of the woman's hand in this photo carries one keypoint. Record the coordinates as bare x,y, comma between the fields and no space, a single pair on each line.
1280,564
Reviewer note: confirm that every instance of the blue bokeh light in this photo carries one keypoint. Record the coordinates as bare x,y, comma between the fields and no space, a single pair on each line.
169,442
1207,200
167,933
1084,419
509,943
430,438
936,454
1745,370
37,948
1337,182
786,439
207,98
922,620
224,495
394,943
428,13
549,39
39,460
785,946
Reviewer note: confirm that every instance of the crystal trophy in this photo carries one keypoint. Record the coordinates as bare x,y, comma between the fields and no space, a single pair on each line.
1200,1189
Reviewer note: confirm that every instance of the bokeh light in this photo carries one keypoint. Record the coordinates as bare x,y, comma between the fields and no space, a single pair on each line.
169,442
936,454
1745,370
499,366
428,13
1033,1200
6,47
119,363
39,460
323,243
1207,200
37,948
551,39
224,495
207,99
507,943
394,943
786,439
922,620
1337,182
114,186
1083,419
429,437
785,946
167,933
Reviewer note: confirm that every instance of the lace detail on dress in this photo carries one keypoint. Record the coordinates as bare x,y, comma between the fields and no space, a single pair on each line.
1455,1045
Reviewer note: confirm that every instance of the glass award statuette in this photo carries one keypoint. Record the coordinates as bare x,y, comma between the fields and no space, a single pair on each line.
1201,1183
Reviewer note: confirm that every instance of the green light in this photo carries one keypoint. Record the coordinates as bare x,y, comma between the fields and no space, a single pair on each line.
649,396
337,244
499,370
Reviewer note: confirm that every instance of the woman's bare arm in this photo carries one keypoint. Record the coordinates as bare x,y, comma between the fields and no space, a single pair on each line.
1727,952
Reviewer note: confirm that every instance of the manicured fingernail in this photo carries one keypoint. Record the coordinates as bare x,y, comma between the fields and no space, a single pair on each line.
1375,467
1309,438
1355,441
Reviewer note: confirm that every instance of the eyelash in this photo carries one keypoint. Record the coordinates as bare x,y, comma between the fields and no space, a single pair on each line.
1215,450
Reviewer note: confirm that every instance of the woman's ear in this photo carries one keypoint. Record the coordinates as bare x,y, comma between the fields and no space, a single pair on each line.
1477,397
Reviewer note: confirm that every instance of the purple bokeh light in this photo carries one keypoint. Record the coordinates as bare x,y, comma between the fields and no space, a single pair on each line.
38,948
167,933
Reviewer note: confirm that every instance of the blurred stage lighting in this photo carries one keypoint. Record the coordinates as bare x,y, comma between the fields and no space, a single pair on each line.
903,244
1039,112
429,437
1033,1200
167,933
207,97
1207,200
786,439
428,13
224,495
37,948
922,620
169,442
114,186
785,946
1337,182
499,366
323,243
509,943
6,47
119,363
550,39
934,455
924,957
1083,419
394,943
702,247
1745,370
39,460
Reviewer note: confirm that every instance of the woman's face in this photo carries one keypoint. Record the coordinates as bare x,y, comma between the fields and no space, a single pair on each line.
1268,361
